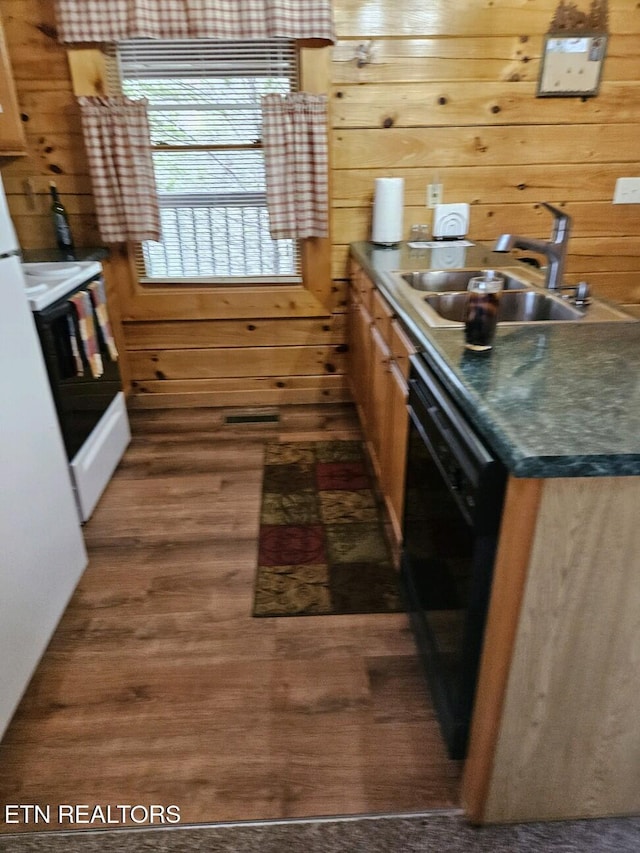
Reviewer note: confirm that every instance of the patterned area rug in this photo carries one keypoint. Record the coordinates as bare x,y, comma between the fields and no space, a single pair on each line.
322,545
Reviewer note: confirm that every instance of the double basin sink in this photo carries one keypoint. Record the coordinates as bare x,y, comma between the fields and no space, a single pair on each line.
440,296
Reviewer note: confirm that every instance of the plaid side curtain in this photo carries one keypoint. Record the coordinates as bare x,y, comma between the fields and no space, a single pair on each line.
116,136
116,20
294,138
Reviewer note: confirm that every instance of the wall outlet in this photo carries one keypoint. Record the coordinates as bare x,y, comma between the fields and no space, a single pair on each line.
434,195
627,191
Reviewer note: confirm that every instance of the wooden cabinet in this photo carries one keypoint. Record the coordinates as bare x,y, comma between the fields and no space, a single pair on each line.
12,138
397,434
378,370
556,728
360,346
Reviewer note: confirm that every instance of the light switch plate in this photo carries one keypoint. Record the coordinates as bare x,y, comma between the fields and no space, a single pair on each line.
434,195
627,191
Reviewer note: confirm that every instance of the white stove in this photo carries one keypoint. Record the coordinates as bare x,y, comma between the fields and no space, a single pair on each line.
46,283
83,373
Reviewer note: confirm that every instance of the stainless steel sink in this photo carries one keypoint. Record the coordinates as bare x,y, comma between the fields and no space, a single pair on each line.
445,281
524,306
439,297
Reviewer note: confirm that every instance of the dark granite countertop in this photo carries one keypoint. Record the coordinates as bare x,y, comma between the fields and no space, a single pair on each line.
552,399
47,256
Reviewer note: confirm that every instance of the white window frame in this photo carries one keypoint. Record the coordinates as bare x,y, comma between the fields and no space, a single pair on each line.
223,58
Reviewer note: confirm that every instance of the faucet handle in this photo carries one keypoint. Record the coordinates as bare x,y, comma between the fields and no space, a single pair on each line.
582,293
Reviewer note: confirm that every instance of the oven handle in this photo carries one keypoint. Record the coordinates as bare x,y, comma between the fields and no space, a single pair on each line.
436,416
59,307
55,311
429,391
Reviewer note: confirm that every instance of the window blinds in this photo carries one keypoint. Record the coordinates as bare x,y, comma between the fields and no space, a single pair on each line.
204,106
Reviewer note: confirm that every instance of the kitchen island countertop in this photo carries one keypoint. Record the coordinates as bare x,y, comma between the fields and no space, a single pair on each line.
552,399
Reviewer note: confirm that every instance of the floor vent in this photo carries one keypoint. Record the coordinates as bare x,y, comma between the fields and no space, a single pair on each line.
253,418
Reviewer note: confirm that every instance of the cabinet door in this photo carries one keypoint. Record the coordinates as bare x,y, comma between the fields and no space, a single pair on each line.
12,139
378,415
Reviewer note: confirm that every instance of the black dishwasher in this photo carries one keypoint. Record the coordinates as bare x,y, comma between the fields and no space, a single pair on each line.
454,497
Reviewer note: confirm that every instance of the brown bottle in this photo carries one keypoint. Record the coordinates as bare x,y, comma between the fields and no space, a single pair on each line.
61,223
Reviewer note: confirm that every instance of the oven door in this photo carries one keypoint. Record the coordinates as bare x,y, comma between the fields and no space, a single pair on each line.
80,401
453,504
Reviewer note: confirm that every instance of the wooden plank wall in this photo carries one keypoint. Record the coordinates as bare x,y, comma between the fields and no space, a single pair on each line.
181,347
450,92
55,149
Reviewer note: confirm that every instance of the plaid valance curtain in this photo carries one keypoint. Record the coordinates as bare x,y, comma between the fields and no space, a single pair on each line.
116,20
116,136
294,137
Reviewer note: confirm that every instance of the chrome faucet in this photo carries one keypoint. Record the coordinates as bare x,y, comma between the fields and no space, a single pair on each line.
554,249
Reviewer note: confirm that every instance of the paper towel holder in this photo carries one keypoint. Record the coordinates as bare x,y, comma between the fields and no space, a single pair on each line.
387,214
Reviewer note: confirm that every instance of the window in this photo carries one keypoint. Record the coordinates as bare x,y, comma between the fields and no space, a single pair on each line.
204,112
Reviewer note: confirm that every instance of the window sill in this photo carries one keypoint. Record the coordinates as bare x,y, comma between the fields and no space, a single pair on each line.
206,283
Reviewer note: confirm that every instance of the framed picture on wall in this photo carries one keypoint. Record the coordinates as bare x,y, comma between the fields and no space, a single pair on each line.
571,65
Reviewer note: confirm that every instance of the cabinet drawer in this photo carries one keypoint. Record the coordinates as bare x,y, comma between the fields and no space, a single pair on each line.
95,462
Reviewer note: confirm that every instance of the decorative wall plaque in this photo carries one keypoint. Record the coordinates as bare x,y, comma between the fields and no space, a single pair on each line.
574,50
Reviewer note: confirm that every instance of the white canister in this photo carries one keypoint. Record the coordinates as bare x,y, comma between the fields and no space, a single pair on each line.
388,208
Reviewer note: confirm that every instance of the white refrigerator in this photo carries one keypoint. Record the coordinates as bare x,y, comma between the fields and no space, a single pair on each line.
42,552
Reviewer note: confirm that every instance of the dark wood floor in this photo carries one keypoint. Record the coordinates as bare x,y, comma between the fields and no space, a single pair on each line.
160,688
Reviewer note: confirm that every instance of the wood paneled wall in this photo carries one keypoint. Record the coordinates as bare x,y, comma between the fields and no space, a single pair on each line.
449,93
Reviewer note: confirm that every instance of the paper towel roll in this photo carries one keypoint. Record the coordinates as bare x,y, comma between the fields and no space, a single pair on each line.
388,205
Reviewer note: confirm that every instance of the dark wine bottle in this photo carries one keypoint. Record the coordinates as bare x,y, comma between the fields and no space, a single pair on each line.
61,223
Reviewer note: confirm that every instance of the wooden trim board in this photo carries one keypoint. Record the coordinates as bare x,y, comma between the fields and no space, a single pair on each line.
556,729
510,573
